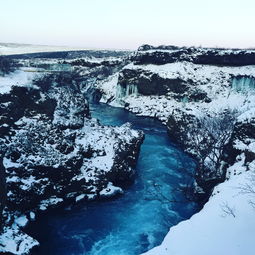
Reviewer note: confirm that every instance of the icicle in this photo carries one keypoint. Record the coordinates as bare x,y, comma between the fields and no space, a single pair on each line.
243,84
131,89
122,92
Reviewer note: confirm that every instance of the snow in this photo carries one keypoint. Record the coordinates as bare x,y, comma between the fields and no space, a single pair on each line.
17,78
110,191
15,241
13,49
80,197
91,196
105,141
188,70
108,87
249,145
21,221
247,115
215,81
32,215
225,225
52,201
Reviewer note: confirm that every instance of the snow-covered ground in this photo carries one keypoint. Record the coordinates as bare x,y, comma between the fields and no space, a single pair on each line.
215,81
13,49
12,236
17,78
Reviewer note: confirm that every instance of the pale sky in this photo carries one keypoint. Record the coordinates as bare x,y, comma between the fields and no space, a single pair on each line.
128,24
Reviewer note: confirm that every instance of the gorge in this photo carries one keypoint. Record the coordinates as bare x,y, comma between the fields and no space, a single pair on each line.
103,196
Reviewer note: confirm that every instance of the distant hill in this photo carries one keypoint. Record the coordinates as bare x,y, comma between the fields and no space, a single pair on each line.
14,48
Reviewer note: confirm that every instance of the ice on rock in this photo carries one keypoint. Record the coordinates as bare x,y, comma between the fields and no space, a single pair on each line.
243,83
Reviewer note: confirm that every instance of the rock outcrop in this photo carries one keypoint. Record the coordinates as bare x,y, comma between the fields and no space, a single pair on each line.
2,191
149,83
54,154
148,54
182,87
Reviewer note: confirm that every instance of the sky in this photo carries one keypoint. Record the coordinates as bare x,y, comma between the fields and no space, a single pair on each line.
127,24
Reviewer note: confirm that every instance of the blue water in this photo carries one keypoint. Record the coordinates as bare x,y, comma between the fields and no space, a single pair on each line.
134,222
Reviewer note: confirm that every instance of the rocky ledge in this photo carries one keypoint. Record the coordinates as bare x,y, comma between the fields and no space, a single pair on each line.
53,153
199,94
160,55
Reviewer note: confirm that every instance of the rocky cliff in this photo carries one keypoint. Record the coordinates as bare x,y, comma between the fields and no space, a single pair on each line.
53,154
193,91
160,55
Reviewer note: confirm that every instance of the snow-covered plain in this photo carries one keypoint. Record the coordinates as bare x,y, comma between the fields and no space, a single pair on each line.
13,49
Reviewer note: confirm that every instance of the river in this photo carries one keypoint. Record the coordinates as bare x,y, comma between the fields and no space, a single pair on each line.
134,222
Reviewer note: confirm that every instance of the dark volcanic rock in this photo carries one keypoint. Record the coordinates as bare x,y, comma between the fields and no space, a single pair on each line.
244,133
209,56
149,83
196,138
53,153
2,191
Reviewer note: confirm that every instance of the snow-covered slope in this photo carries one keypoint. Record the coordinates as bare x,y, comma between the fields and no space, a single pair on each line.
225,225
13,48
17,78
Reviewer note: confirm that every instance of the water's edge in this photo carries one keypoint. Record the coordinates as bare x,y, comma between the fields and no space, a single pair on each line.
138,220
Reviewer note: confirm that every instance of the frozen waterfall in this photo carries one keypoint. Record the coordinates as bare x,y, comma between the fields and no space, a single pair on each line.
122,91
243,83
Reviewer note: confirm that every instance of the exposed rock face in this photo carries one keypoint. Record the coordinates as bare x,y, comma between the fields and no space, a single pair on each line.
243,138
168,54
53,153
182,130
239,141
141,81
149,83
181,87
43,161
6,65
2,191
